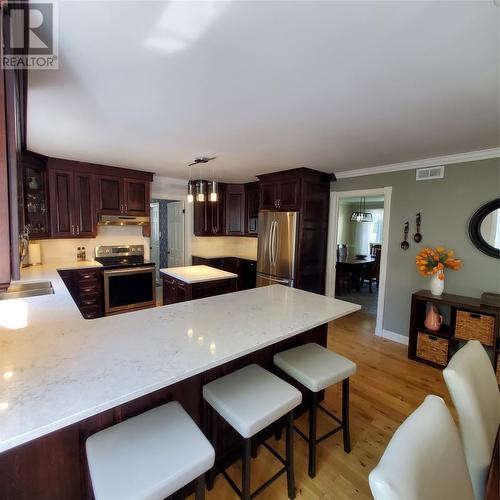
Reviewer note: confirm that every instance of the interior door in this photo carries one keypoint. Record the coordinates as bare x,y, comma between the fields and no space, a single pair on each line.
175,236
155,238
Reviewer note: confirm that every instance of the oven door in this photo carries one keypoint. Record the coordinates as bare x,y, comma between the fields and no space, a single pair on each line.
128,289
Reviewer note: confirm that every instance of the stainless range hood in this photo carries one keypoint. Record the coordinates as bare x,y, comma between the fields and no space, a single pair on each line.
122,220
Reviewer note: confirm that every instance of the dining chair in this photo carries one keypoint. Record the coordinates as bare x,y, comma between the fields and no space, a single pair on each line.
424,459
473,387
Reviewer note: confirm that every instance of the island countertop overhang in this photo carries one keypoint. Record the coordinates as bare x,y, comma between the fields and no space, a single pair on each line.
65,373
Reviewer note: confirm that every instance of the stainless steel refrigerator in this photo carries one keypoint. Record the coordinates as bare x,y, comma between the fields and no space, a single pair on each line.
276,248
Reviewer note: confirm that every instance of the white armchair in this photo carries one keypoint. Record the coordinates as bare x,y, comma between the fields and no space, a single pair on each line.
473,387
424,459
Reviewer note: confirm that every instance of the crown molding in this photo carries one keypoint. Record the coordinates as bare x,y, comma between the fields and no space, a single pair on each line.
482,154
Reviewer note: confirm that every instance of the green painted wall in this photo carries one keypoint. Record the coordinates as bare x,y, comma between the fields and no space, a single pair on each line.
446,206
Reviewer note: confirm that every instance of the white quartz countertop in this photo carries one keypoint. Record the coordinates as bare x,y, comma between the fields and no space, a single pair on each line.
57,368
197,274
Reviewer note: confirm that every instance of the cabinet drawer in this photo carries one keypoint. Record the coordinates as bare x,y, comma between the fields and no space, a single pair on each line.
432,348
87,274
91,312
89,300
90,286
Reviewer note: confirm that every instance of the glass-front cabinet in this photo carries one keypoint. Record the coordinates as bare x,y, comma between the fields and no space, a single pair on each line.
36,210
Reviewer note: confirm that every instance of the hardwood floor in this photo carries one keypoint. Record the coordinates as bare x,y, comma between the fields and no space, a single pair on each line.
385,390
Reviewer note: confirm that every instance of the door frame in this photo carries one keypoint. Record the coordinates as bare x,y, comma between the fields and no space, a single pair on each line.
188,221
335,197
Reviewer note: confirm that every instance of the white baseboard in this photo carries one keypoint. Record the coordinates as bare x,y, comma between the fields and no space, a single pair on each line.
395,337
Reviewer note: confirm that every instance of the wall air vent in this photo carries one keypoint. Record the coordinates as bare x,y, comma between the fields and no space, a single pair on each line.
430,173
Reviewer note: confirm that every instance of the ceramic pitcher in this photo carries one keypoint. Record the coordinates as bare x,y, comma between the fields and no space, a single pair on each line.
433,319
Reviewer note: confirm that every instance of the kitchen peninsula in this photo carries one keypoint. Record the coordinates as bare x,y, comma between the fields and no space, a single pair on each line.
69,381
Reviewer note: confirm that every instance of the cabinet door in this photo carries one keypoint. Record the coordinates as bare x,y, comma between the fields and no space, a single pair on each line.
61,203
84,206
136,199
110,195
235,209
289,194
252,193
268,195
200,218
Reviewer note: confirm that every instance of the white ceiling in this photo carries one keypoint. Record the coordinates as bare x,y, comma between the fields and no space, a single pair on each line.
268,86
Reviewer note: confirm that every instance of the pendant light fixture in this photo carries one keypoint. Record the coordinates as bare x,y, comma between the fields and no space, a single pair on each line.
197,189
190,195
213,188
361,215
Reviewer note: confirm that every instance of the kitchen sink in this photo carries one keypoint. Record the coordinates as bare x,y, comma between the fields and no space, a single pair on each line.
22,290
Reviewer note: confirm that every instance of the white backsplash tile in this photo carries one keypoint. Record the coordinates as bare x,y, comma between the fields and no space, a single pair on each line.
221,246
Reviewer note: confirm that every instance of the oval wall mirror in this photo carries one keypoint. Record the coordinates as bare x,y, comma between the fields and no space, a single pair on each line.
484,228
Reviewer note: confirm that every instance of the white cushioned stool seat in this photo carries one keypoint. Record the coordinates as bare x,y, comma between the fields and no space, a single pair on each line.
314,366
251,398
149,456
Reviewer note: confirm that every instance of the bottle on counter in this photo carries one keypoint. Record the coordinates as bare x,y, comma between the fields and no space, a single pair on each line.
79,254
84,256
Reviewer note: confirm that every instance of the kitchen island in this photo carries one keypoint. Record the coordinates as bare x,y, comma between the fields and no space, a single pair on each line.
195,282
69,378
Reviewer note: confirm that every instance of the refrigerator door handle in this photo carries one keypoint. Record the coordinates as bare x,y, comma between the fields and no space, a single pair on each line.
271,244
275,242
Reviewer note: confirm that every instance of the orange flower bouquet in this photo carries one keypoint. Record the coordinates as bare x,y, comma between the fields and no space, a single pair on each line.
432,262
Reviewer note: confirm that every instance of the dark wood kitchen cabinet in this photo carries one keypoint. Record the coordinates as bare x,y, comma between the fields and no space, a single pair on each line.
306,191
252,203
86,289
123,196
209,216
72,204
280,191
235,210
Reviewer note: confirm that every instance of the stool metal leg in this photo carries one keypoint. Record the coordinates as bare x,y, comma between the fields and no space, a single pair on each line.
313,414
212,437
200,488
245,483
255,448
290,475
345,415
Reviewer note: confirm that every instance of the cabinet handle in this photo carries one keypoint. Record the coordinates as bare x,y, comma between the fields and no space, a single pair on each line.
126,208
121,208
73,230
77,229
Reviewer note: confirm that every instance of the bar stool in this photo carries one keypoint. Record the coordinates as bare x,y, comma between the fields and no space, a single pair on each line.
316,368
150,456
251,399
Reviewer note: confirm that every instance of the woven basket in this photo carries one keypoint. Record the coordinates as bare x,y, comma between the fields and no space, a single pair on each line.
473,326
432,348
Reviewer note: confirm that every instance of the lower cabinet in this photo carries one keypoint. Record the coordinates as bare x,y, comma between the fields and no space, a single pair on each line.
175,290
245,269
85,286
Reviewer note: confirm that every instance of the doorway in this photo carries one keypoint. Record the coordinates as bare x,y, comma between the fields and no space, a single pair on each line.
167,234
357,249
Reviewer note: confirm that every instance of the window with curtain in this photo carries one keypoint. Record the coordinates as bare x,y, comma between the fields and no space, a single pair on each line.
376,227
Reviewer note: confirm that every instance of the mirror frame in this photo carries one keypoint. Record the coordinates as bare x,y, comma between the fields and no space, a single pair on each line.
475,228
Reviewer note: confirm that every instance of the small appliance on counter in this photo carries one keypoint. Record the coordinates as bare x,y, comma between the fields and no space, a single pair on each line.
129,280
276,250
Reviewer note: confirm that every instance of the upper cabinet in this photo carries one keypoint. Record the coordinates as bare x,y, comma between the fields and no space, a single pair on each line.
72,206
252,198
123,196
209,216
79,192
280,191
235,210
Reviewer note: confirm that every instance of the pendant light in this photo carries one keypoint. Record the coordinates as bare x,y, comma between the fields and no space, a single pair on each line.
200,191
190,195
361,215
213,188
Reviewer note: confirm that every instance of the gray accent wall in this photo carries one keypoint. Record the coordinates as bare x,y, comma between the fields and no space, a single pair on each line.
446,206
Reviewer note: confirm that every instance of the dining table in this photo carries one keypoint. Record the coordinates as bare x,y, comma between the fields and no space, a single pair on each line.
352,265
